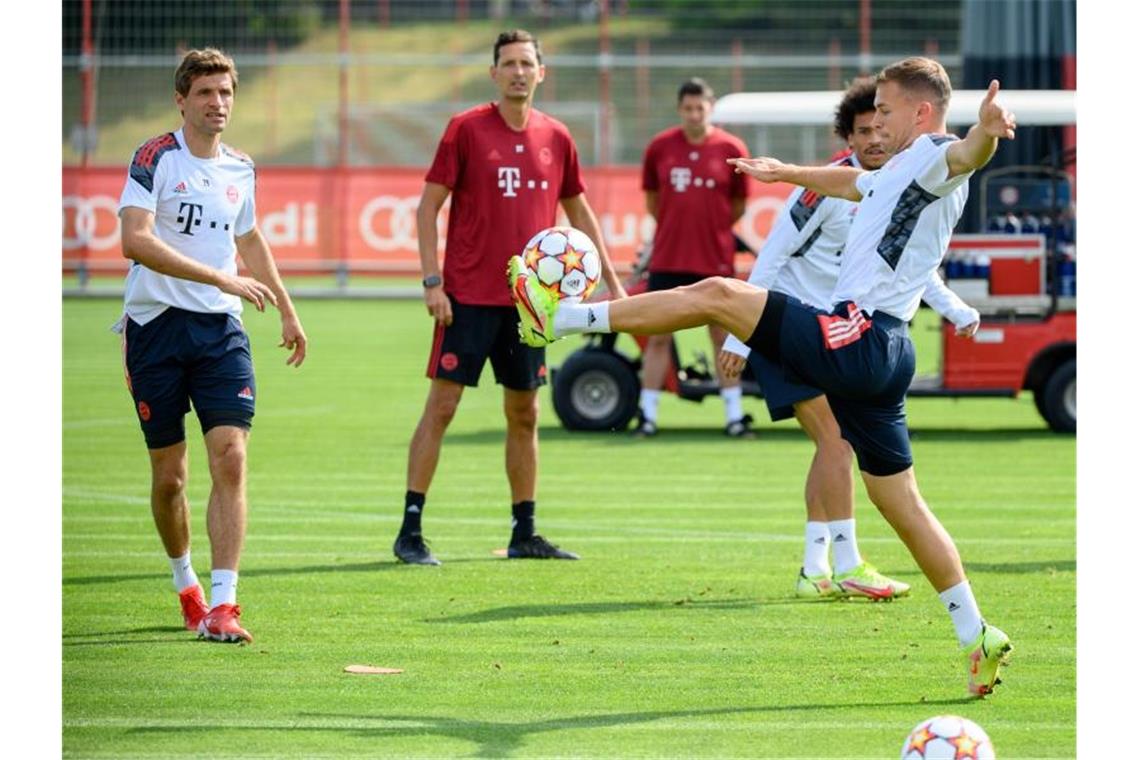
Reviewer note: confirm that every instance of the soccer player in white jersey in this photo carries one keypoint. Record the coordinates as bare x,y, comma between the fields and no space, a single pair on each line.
187,208
860,353
801,259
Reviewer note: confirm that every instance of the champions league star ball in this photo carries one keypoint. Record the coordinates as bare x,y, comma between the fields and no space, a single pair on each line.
947,737
565,260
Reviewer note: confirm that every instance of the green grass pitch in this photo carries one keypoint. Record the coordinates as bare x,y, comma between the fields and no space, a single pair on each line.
675,636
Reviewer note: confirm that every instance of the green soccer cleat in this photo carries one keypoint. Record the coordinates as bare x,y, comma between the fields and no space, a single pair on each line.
984,658
536,306
815,586
868,582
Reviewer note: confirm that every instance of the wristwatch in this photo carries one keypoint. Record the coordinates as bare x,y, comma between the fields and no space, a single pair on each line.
433,281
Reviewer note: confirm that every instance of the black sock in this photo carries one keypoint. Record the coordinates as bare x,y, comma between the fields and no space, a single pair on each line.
413,509
523,527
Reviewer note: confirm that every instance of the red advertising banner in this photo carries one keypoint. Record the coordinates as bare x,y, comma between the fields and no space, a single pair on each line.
298,212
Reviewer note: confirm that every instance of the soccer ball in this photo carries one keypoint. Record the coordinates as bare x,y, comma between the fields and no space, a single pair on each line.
947,737
565,260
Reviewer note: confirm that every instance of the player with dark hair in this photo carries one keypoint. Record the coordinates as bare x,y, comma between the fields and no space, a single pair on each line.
695,197
859,352
507,167
187,208
801,259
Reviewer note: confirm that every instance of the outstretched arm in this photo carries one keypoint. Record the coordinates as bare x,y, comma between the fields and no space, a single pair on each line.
834,181
977,148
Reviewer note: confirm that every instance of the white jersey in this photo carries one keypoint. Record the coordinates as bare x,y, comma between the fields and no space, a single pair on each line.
199,206
898,238
804,250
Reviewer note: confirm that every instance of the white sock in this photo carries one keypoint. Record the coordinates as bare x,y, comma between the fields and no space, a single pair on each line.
964,614
184,575
574,318
733,403
648,404
844,546
816,540
223,587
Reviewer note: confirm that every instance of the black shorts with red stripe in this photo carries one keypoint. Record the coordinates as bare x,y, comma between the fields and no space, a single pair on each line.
478,333
863,363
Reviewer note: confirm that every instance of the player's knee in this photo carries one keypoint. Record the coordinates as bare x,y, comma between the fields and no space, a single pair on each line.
441,412
168,484
227,462
522,416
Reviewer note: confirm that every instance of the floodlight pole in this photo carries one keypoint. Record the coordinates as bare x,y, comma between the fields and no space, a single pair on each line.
342,152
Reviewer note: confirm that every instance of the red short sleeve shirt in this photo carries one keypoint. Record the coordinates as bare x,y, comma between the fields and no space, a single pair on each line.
695,187
505,186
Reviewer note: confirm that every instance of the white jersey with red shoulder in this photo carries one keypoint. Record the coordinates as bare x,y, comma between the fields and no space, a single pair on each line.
200,205
902,229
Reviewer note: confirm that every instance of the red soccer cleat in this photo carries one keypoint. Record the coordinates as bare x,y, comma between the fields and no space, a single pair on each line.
221,624
194,608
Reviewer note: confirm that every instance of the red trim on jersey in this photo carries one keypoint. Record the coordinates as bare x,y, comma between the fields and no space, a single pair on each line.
842,331
436,346
147,156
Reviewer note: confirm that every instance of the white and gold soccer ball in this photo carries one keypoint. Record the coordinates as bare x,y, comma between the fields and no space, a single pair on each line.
565,260
947,737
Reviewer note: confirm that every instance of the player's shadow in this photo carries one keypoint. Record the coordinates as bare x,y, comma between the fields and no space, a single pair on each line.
254,572
504,739
1015,568
176,634
519,611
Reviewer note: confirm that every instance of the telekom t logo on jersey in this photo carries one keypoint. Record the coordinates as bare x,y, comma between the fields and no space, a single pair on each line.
509,180
680,177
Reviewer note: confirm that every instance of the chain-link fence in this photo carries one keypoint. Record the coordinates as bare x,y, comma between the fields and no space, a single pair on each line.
380,77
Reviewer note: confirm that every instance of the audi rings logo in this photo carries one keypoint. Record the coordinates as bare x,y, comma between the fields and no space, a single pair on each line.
388,223
90,222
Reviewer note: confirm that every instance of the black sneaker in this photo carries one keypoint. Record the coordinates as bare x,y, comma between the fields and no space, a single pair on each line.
741,428
537,547
411,548
644,428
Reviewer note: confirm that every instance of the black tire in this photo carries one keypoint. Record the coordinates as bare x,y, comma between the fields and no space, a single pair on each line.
595,390
1058,399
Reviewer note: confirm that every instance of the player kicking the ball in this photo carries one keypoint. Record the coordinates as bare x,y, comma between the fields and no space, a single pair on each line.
859,353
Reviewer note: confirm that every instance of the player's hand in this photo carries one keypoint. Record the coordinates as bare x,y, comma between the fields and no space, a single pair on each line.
730,364
762,168
438,305
967,331
293,338
994,120
254,291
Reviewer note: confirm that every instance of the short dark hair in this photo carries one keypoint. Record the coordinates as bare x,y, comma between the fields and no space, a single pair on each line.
517,35
920,76
859,99
198,63
695,86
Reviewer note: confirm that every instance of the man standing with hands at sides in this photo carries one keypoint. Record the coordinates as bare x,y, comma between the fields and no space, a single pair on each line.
507,166
801,259
186,209
859,353
696,197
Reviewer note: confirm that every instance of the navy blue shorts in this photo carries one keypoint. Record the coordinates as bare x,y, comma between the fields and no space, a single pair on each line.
864,365
478,333
781,393
182,357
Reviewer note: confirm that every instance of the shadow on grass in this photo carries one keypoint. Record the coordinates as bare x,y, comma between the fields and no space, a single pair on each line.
177,635
352,567
1014,568
781,434
504,739
515,612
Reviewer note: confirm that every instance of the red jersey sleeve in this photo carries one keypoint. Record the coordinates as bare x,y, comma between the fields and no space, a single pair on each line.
444,168
572,182
649,169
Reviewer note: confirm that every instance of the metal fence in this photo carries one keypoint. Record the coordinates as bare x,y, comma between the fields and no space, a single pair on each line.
372,82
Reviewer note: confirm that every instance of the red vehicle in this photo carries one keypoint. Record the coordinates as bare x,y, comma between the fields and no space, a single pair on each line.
1023,285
